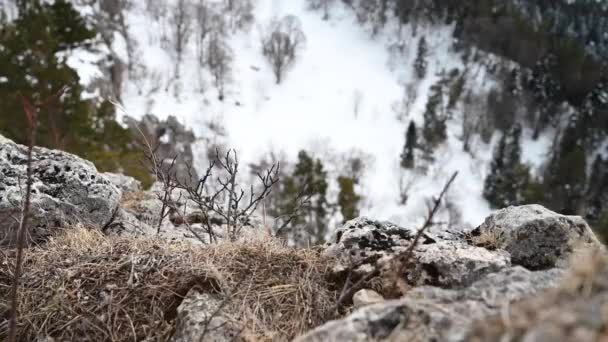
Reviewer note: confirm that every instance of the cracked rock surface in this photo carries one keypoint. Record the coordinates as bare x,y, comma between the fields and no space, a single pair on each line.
66,190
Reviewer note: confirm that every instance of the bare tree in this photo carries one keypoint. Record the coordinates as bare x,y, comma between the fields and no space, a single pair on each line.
321,4
357,100
281,43
203,21
403,107
219,59
372,12
181,24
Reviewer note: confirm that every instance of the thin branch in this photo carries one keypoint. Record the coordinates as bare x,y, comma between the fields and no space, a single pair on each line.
32,116
403,258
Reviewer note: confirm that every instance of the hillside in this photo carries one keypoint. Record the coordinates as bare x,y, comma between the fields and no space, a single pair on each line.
362,74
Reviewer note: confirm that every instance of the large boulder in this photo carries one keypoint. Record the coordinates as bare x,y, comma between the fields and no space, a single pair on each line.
66,190
366,243
575,311
537,238
429,313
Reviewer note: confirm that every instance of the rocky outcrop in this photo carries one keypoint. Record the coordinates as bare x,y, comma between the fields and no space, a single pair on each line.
458,279
446,263
536,237
66,190
575,311
433,314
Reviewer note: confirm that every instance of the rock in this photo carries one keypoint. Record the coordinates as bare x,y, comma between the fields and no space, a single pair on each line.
366,297
576,311
433,314
199,319
66,190
172,139
124,183
536,237
452,264
446,263
125,223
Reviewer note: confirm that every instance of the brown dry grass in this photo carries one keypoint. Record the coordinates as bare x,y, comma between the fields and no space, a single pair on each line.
84,286
130,200
490,239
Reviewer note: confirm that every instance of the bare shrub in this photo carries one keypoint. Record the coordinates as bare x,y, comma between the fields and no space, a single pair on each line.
281,43
226,198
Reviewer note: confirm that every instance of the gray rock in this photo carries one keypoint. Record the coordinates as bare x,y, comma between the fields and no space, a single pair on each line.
66,190
366,297
573,312
537,238
124,183
433,314
199,318
446,263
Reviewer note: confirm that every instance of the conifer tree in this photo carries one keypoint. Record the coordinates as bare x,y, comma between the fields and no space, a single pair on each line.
348,199
420,63
434,129
565,180
508,178
407,156
597,190
309,178
32,69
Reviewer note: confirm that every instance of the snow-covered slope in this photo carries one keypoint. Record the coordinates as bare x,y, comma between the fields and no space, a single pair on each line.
339,96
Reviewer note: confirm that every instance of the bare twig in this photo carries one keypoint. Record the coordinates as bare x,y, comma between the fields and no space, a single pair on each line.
32,117
403,258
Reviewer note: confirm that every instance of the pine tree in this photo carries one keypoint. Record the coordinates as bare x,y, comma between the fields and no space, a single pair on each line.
420,63
308,178
434,129
348,199
597,190
407,156
508,179
32,69
565,180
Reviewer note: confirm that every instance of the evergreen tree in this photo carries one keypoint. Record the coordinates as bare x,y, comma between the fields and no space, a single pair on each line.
565,181
420,63
434,129
31,69
407,156
597,190
508,179
348,199
310,179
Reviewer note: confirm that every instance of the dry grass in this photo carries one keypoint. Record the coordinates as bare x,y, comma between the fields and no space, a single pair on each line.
130,200
84,286
489,239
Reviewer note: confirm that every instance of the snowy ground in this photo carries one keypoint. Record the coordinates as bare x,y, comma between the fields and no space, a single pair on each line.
314,108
